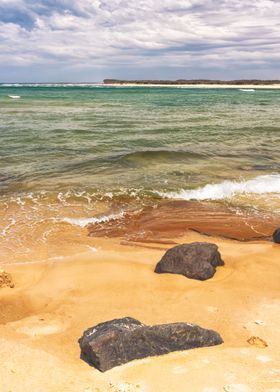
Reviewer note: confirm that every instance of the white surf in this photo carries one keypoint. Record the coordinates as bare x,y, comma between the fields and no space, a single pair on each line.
83,222
259,185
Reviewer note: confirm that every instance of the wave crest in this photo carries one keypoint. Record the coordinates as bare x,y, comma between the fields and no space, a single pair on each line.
227,189
83,222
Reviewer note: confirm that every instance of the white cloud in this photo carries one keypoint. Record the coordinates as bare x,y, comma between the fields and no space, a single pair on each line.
162,33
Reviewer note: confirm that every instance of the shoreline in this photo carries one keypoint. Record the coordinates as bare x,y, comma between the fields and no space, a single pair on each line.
198,86
160,85
68,228
81,234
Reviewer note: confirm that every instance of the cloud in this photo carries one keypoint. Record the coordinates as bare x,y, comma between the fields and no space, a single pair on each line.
187,34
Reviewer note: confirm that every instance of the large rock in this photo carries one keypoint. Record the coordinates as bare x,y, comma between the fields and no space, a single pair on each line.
196,261
276,236
119,341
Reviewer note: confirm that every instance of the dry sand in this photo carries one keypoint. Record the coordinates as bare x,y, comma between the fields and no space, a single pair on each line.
54,301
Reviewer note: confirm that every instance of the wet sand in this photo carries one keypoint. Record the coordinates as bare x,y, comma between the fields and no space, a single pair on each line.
55,300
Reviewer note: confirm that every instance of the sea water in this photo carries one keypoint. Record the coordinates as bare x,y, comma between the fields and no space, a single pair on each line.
68,153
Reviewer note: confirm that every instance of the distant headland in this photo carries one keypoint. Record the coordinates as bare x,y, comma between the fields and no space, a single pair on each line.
206,83
242,82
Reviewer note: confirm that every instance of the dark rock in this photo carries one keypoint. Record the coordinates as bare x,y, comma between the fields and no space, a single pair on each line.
276,236
119,341
196,261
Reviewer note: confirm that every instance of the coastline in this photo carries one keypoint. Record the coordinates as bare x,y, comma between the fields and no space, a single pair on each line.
126,175
198,86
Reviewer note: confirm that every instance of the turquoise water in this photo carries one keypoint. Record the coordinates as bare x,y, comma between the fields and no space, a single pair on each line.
150,139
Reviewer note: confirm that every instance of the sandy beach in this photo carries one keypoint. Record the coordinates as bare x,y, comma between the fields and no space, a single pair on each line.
96,184
139,196
54,301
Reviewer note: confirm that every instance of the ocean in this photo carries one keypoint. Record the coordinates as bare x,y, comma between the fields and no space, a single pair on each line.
75,154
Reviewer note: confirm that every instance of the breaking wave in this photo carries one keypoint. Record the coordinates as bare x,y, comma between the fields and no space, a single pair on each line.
83,222
227,189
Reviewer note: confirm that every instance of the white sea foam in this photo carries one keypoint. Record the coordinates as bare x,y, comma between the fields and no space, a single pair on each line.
14,96
247,90
7,228
259,185
83,222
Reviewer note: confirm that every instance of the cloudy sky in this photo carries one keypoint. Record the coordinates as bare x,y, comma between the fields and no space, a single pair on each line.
88,40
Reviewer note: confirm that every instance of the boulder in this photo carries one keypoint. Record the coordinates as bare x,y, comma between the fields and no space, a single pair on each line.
276,236
196,261
119,341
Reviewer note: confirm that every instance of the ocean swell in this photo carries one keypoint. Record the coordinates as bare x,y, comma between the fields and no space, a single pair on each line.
227,189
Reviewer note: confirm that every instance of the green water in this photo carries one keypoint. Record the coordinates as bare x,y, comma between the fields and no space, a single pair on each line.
144,140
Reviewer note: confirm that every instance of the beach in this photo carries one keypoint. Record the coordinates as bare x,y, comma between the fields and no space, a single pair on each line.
54,301
96,184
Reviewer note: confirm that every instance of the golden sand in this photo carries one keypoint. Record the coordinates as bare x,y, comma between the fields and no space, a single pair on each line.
55,300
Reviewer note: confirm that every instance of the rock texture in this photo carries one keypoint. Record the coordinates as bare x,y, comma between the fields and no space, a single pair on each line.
172,219
196,261
276,236
119,341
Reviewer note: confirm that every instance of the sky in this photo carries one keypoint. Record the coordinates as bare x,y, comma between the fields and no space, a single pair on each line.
89,40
